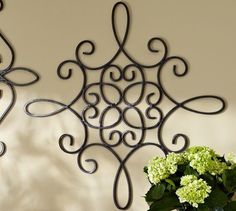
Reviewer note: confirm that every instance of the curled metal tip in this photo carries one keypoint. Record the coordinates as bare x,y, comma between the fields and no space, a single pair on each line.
1,5
3,148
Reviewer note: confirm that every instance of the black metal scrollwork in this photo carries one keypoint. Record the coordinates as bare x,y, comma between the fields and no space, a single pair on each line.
120,105
6,69
1,5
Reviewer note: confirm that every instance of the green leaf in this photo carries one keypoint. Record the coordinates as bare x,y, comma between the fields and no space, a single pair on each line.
230,206
203,207
217,209
181,167
190,171
167,203
229,179
171,183
221,158
209,179
145,169
217,198
156,192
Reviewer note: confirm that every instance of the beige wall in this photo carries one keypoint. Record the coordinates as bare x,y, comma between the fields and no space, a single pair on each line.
35,174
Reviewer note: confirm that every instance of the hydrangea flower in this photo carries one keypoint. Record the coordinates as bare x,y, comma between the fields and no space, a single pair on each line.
162,168
204,159
216,167
186,180
194,152
176,159
231,158
157,170
194,191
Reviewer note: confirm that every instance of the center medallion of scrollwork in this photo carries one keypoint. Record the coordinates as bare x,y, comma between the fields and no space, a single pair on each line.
135,104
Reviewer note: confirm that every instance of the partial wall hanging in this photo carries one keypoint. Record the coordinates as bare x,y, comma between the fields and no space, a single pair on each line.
133,74
6,69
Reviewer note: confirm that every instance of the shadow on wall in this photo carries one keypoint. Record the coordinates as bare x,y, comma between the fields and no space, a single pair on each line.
37,175
35,179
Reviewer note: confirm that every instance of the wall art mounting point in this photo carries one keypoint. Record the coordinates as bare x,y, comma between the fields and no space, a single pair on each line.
134,75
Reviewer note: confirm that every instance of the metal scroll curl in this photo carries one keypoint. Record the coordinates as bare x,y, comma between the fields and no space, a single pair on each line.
1,5
118,107
7,60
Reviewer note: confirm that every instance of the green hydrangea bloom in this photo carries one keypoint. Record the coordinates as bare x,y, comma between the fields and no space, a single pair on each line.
158,170
204,159
193,192
192,152
216,167
186,180
162,168
171,167
231,158
175,159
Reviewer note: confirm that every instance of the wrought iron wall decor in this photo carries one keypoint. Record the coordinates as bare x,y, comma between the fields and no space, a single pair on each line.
122,105
5,71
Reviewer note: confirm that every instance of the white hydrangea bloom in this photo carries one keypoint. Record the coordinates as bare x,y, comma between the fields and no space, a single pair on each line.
231,158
